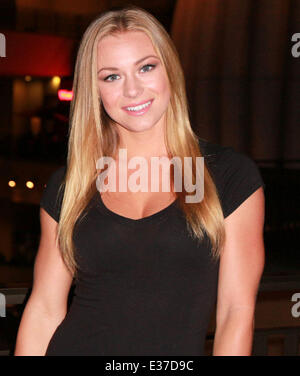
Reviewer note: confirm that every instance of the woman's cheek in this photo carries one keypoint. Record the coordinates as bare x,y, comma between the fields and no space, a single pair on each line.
108,98
159,84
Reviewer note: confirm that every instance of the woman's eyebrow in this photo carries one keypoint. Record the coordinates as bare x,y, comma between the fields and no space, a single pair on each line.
136,63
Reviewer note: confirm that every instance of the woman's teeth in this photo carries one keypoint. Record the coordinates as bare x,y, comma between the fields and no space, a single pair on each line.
138,108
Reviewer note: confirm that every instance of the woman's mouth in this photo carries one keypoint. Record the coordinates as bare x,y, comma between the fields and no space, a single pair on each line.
138,110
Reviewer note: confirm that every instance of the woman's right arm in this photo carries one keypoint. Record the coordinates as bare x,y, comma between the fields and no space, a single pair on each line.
47,304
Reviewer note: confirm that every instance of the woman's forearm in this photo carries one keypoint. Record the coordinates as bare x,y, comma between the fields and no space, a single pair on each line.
35,331
234,336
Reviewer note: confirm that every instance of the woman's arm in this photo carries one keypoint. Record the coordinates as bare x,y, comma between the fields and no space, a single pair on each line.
241,267
36,329
47,304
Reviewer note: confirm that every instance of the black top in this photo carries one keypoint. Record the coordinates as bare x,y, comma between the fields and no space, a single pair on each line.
144,286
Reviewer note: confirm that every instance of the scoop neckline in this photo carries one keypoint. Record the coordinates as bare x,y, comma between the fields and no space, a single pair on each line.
130,221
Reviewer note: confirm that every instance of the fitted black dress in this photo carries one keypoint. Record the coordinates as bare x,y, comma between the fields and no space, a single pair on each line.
145,287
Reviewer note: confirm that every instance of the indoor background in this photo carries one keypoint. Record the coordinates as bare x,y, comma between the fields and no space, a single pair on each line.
242,67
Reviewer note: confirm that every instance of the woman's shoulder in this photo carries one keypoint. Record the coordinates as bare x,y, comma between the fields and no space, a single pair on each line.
235,174
221,158
53,192
214,152
59,173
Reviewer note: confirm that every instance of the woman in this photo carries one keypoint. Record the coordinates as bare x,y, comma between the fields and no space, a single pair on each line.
147,266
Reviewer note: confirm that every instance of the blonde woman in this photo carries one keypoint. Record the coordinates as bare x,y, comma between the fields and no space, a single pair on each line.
148,265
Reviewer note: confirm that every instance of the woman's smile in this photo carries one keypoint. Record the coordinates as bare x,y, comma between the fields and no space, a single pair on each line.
138,110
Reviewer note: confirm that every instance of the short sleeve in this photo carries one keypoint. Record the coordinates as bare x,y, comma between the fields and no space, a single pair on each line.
239,177
52,195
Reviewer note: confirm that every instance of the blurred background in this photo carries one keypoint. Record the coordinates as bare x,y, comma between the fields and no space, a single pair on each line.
243,88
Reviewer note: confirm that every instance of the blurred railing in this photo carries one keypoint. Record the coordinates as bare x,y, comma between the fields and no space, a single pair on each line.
290,337
262,339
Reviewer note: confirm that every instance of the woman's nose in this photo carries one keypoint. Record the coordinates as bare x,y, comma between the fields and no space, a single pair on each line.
132,87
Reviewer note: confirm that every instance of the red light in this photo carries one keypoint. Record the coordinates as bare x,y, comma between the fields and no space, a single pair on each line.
65,95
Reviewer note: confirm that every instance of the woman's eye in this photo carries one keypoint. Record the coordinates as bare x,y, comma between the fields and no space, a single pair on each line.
113,75
107,78
148,65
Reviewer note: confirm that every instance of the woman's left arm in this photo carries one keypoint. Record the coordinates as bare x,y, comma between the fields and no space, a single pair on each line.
241,266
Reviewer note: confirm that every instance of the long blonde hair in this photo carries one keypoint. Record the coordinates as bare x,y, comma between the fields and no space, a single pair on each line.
91,135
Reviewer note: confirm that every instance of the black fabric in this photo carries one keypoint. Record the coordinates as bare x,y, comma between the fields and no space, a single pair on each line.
145,287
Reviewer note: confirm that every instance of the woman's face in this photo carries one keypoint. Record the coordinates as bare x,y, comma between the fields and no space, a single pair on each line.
129,74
